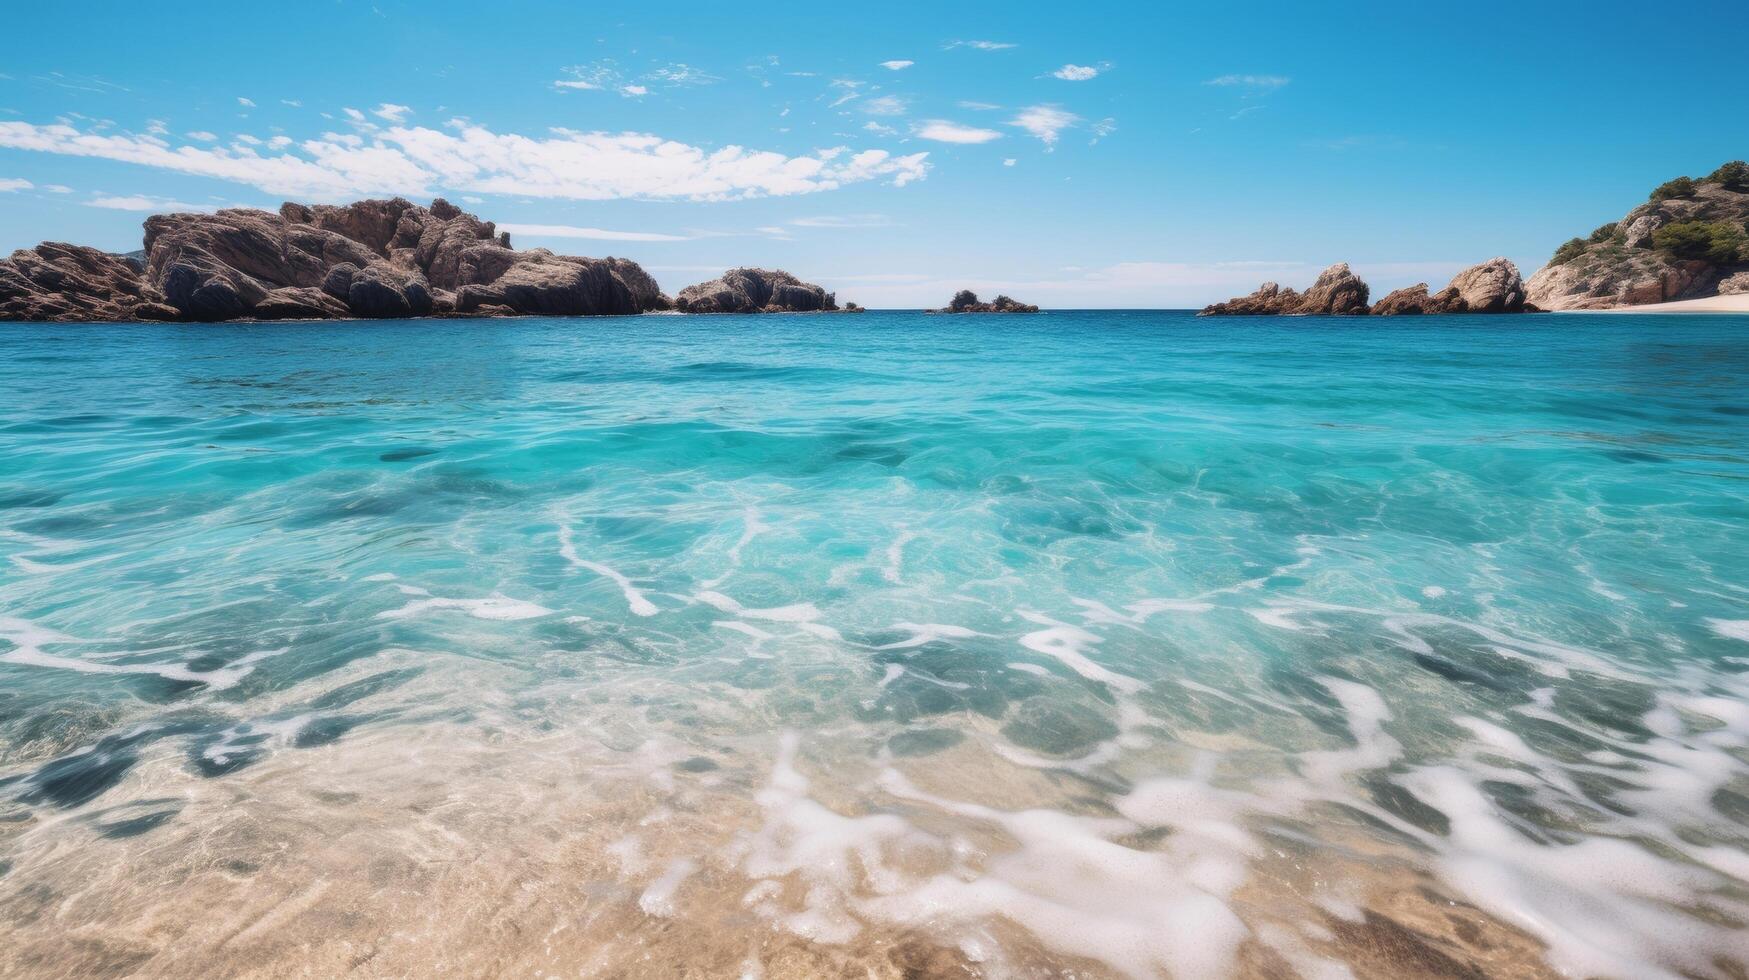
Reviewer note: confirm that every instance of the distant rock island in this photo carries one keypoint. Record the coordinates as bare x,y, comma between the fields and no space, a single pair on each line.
1493,286
757,291
375,258
1690,240
966,301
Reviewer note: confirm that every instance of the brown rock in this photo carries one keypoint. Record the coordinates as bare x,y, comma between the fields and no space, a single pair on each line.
57,281
966,301
755,291
1337,292
1493,286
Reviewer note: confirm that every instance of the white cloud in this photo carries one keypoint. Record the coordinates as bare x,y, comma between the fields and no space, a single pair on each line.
390,111
1009,162
280,142
202,135
1103,128
140,202
354,114
843,221
470,199
9,184
980,45
1077,73
979,106
885,105
247,140
57,188
574,83
680,74
157,127
245,103
943,131
597,234
1242,113
417,161
879,128
294,103
1045,121
1264,82
632,91
897,64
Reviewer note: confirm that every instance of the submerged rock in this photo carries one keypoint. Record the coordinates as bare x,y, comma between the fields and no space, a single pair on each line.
755,291
376,258
966,301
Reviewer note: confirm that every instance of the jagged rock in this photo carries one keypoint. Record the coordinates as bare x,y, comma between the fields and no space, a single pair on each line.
1337,291
1267,300
754,291
299,303
377,258
966,301
1732,285
1408,301
561,285
1620,265
57,281
1493,286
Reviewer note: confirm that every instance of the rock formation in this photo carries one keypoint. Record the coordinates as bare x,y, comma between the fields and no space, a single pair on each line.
377,258
755,291
966,301
1493,286
1338,291
1690,238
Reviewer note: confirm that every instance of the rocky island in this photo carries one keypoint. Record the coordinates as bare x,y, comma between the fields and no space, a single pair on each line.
373,258
1690,240
757,291
966,301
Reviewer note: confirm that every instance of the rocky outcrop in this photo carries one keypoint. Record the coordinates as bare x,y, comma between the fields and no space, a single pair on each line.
755,291
57,281
966,301
1734,284
1337,292
377,258
1685,243
1494,286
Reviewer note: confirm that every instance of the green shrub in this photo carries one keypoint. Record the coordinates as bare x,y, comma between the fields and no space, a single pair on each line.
1709,241
1680,187
1603,233
1734,176
1571,249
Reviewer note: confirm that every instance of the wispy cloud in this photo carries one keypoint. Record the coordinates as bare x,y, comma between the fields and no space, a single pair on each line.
979,45
416,160
1009,162
392,112
1080,73
978,106
943,131
1046,122
294,103
141,202
596,234
202,135
679,74
606,75
885,105
10,184
245,103
57,188
1242,113
897,65
1260,82
843,221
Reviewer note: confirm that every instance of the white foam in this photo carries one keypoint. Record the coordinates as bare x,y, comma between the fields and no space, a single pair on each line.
28,640
1730,629
896,557
658,898
750,529
922,633
1434,591
496,607
801,612
1068,645
635,599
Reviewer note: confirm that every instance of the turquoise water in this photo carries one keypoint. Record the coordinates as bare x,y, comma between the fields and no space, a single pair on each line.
1126,643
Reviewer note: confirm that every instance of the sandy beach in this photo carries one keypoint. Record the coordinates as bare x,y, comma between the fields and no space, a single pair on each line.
1738,303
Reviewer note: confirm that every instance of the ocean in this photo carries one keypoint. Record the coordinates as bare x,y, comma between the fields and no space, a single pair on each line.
1080,644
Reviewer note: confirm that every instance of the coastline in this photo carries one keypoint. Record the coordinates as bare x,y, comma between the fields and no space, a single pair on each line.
1735,303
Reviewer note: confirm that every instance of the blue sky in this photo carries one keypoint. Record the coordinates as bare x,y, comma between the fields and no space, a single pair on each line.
1123,154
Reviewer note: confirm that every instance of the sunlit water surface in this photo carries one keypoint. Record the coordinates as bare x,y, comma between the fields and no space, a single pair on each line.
1091,644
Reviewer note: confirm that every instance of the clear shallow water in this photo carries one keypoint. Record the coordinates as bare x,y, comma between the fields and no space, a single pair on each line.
1123,644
